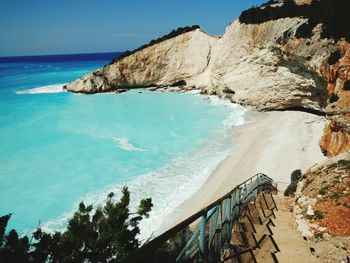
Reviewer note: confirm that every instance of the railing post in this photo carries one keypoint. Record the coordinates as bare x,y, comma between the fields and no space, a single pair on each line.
201,237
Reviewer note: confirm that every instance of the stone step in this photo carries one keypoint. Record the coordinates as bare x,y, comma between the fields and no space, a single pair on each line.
293,248
268,231
264,256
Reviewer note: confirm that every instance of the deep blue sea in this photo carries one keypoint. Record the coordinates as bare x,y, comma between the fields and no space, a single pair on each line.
58,148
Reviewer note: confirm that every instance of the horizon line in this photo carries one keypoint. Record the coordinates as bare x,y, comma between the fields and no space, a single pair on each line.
61,54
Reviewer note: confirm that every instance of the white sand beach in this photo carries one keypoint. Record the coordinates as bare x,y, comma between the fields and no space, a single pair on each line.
277,144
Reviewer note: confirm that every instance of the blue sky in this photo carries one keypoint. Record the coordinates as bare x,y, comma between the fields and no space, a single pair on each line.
32,27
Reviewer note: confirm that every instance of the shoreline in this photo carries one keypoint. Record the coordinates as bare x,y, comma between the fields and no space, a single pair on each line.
276,144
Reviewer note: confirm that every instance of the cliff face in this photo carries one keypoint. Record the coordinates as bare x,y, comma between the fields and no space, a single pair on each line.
267,67
264,64
268,64
336,138
165,63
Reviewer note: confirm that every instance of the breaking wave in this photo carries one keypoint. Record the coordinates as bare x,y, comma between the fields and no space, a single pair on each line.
172,184
56,88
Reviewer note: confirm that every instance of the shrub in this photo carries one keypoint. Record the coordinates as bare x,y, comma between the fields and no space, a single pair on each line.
344,164
333,15
318,215
318,235
294,178
333,98
257,15
334,57
296,175
346,84
323,190
108,235
290,189
305,31
335,196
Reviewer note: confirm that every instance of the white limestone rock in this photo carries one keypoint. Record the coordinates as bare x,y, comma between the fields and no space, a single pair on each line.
264,65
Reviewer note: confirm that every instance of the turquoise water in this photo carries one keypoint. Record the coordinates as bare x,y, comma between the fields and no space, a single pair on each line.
58,148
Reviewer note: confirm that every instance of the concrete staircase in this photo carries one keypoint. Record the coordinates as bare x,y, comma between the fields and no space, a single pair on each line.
293,248
266,232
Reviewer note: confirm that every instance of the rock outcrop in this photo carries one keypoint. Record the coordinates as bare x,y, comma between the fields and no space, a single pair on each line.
336,138
264,64
267,61
166,63
322,209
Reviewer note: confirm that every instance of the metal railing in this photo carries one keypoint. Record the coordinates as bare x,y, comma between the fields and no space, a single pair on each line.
203,236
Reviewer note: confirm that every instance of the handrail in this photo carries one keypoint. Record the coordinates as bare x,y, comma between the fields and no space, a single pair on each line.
263,182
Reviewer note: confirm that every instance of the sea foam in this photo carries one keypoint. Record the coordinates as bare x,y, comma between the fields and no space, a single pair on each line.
168,186
56,88
172,184
125,144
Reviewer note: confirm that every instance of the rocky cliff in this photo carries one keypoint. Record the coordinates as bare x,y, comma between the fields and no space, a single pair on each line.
322,211
274,57
166,63
264,65
336,138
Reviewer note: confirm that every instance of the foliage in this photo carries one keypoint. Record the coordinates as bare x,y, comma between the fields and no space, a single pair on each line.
333,98
107,235
294,178
344,164
12,247
323,190
172,34
334,57
318,235
290,189
318,214
296,175
333,15
335,196
346,84
304,30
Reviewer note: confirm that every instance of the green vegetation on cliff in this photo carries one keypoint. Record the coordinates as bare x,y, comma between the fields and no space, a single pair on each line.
294,179
333,15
